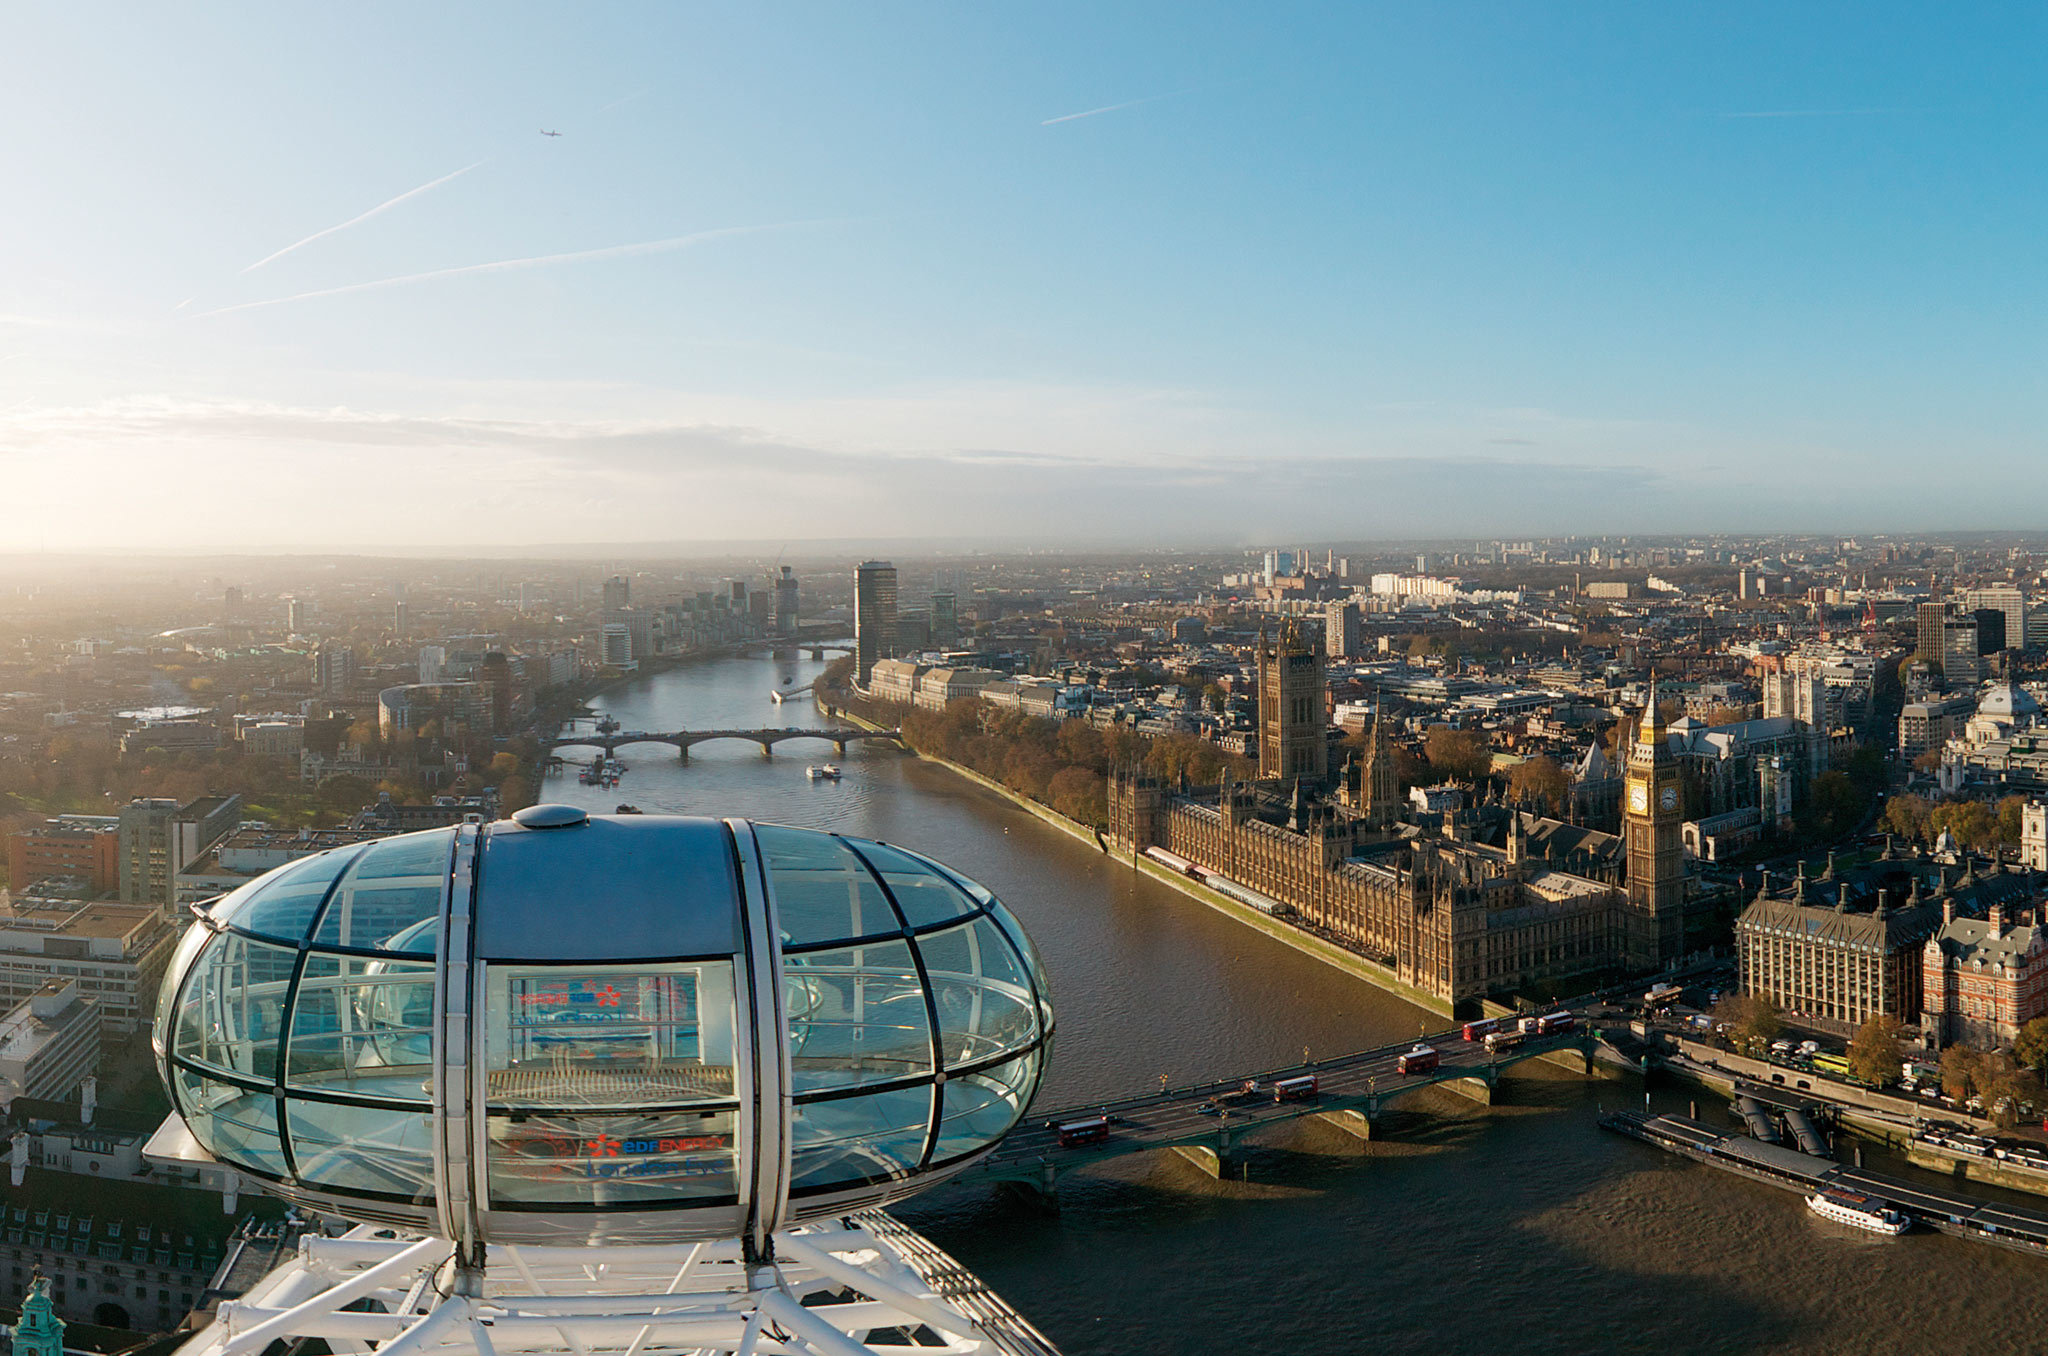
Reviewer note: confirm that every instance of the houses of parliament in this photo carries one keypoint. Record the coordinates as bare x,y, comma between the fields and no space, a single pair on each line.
1456,904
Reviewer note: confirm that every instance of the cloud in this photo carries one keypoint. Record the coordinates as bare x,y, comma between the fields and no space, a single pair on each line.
513,265
359,219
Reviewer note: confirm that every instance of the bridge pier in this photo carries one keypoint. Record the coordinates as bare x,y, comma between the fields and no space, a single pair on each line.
1479,1089
1041,1196
839,747
1350,1122
1202,1156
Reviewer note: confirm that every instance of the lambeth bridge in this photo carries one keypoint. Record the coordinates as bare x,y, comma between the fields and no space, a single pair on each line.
684,740
1204,1121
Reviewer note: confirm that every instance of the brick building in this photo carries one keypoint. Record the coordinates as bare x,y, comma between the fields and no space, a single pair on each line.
1984,978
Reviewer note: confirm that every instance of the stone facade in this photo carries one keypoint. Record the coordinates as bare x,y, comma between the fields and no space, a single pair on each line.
1455,919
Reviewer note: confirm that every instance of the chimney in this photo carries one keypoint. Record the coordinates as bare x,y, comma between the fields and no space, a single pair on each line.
1997,918
88,1099
1948,909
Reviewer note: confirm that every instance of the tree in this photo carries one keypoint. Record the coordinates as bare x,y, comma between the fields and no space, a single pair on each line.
2030,1048
1752,1020
1906,815
2006,828
1962,1071
1541,781
1874,1054
1461,755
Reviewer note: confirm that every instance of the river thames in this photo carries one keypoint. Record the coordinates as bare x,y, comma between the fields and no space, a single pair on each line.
1521,1227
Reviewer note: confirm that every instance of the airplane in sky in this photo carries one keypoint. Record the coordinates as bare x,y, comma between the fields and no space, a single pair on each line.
546,133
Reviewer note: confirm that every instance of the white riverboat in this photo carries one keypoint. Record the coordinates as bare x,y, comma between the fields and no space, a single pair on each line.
1858,1211
823,772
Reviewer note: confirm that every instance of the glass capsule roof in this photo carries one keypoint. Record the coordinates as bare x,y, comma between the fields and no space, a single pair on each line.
298,1029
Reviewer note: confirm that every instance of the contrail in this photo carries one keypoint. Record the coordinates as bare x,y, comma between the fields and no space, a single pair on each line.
676,242
358,220
1111,108
1812,113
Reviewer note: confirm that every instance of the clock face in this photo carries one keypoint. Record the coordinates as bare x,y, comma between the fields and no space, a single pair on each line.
1639,799
1669,798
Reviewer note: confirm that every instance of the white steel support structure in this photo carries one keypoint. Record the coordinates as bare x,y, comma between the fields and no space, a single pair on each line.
852,1287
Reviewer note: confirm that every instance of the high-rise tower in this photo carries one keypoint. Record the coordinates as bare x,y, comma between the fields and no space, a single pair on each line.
1653,810
1293,708
874,616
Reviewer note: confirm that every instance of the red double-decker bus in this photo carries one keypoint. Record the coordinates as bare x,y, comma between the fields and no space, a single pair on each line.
1480,1030
1421,1059
1088,1130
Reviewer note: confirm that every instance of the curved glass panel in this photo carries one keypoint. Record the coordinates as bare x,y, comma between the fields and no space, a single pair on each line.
364,1027
538,1158
598,1036
282,904
189,946
980,1108
1014,930
823,892
362,1148
846,1140
235,1125
388,891
925,894
981,992
230,1012
855,1016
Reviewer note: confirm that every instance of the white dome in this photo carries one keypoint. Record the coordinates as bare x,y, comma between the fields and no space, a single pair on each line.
2007,702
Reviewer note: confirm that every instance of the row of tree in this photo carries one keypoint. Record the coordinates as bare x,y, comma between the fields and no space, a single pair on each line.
1984,825
2003,1081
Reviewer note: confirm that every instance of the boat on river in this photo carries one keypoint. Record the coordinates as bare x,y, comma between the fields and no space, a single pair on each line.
1858,1211
823,772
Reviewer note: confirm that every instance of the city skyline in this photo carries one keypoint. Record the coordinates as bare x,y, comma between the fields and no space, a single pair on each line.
1364,273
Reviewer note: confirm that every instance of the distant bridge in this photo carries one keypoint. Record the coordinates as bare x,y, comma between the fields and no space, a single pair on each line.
783,694
685,740
1352,1091
816,649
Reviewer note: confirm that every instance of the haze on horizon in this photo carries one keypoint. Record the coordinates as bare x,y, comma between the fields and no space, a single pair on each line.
295,279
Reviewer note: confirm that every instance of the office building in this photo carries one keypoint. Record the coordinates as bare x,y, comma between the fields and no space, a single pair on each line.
874,616
1930,617
1834,953
334,670
294,615
945,615
158,837
433,663
1962,663
1991,632
1984,978
1929,724
617,593
1294,720
2011,603
615,645
78,847
1343,633
785,602
116,953
49,1043
399,628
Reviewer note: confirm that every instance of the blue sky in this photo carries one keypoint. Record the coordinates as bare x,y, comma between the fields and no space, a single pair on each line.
1346,271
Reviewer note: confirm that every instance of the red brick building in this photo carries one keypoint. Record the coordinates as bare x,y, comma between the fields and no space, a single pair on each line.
1984,978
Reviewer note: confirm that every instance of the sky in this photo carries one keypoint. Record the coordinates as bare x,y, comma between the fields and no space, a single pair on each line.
311,277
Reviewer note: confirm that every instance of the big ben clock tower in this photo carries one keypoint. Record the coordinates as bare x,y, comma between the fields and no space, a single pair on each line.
1653,811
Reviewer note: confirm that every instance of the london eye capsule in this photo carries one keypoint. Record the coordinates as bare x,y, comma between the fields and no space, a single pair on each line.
586,1029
